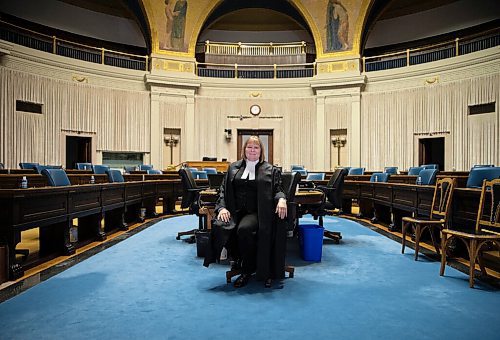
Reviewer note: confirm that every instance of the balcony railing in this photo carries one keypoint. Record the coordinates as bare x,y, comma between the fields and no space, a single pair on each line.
66,48
444,50
256,71
255,49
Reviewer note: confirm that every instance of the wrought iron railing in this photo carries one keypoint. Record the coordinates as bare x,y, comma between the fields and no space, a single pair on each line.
444,50
256,71
52,44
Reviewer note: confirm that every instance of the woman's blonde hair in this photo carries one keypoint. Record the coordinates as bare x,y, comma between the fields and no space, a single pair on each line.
255,140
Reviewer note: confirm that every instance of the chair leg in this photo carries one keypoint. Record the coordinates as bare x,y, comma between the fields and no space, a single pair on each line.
403,240
472,261
184,233
418,232
444,242
432,230
334,235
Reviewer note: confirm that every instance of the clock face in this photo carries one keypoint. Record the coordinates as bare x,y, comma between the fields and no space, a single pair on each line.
255,110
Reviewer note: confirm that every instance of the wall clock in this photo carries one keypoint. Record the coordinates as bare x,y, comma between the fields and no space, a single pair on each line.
255,109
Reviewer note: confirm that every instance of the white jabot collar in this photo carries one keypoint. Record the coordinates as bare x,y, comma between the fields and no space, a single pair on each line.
249,170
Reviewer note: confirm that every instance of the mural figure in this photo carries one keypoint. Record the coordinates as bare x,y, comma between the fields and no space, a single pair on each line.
337,26
179,24
168,28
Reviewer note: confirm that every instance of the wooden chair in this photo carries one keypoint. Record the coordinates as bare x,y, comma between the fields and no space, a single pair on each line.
487,230
441,204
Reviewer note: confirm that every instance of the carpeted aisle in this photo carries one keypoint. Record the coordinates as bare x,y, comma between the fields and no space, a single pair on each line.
153,286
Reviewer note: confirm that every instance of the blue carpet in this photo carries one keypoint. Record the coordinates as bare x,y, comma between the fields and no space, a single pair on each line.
153,286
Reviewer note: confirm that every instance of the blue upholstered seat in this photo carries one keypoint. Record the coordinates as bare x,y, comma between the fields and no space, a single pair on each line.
430,166
192,169
210,170
100,169
414,170
29,165
154,172
380,177
56,177
115,176
356,171
478,175
84,166
318,176
427,176
199,174
483,165
391,170
40,168
145,167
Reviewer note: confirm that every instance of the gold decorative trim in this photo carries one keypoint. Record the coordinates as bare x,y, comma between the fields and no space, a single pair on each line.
431,81
256,94
80,79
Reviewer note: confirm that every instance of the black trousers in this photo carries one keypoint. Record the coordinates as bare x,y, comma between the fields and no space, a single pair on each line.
247,242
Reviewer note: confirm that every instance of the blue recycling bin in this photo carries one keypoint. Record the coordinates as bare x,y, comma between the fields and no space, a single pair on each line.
311,242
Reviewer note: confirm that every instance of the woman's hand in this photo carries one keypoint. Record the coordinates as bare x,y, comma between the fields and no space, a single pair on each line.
224,215
281,208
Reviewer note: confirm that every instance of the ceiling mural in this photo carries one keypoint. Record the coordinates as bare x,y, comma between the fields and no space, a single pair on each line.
335,24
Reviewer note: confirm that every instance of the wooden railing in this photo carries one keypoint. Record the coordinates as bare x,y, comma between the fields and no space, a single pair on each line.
66,48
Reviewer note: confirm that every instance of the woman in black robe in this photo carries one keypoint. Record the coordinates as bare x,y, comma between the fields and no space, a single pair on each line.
250,206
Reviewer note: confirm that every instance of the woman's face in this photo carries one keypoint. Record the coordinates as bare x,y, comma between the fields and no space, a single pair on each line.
252,151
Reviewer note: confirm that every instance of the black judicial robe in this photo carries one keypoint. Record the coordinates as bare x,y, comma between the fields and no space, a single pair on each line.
271,243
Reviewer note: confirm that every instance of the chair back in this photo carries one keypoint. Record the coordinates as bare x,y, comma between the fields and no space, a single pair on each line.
356,171
478,175
215,180
115,176
414,170
84,166
427,176
28,165
380,177
483,165
56,177
199,174
189,196
145,167
488,217
192,169
393,170
210,170
318,176
441,201
100,169
154,172
336,182
1,166
430,166
289,181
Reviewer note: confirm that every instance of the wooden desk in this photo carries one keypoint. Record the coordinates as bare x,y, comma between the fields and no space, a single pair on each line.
389,202
52,209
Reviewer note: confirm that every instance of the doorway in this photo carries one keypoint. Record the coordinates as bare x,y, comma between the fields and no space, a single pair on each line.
431,151
78,150
171,147
266,136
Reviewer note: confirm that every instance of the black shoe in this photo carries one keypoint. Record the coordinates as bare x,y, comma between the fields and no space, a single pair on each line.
268,283
242,280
